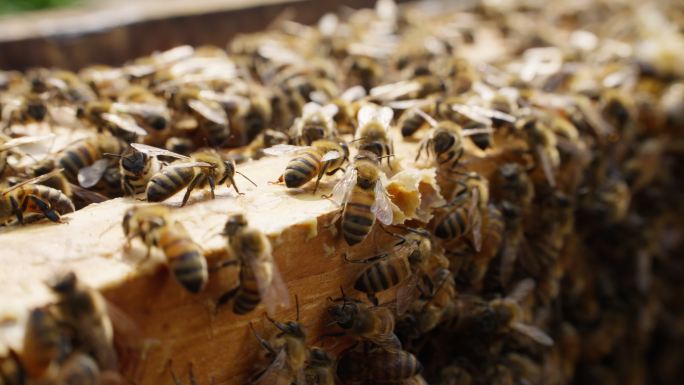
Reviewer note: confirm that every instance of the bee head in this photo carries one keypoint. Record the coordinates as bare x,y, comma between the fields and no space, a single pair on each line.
134,161
344,313
234,223
63,283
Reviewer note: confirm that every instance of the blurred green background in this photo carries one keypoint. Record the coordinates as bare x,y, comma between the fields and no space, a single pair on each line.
10,6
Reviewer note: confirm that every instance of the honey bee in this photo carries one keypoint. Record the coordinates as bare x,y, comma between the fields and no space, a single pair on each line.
288,352
23,109
28,197
542,142
365,323
411,258
137,168
315,123
118,117
185,258
364,70
266,139
258,115
323,157
446,142
84,161
201,169
466,217
362,194
207,108
43,342
492,238
373,130
377,365
513,184
500,316
436,304
347,107
320,368
84,311
260,279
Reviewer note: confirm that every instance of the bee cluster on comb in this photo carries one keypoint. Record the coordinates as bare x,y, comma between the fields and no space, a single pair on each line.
517,161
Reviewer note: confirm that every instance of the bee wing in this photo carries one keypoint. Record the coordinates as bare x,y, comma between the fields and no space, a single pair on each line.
87,195
522,289
353,93
156,151
533,332
331,155
393,91
271,286
311,108
492,113
366,113
277,372
407,293
330,110
382,207
341,191
125,122
471,113
407,104
546,165
16,142
431,121
37,179
475,220
282,149
212,112
144,108
89,176
385,115
192,164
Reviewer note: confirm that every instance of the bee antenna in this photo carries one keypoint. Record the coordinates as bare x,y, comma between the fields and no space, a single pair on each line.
357,139
244,176
109,155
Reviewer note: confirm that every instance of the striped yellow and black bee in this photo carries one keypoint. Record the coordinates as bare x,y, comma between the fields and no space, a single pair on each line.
362,194
154,227
287,351
363,322
372,134
202,169
315,123
377,365
259,278
29,198
467,206
323,157
85,161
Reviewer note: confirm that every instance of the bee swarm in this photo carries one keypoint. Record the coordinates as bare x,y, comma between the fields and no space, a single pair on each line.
499,199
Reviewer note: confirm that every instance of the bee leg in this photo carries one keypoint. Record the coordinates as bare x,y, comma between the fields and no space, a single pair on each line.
191,187
44,208
320,175
227,296
262,341
191,375
212,186
372,259
176,381
232,182
17,211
